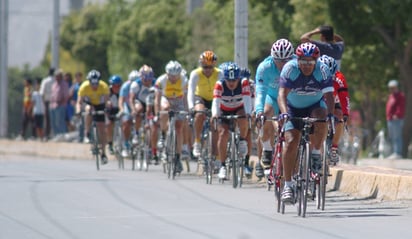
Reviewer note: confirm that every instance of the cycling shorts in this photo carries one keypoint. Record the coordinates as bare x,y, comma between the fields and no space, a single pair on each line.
232,112
206,103
301,112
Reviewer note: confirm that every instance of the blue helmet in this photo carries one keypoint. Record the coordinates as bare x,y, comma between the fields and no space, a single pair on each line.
223,65
115,80
245,73
231,71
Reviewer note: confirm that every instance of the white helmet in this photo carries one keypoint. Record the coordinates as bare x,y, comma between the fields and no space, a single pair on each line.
282,49
173,68
133,75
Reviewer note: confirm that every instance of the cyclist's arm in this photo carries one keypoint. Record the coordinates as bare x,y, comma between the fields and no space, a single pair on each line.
247,100
282,100
191,89
217,96
343,94
134,87
261,91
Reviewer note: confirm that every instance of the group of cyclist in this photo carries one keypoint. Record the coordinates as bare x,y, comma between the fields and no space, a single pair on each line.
289,83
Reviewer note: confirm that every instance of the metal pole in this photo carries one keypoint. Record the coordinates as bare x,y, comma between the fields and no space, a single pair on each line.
55,34
4,15
241,32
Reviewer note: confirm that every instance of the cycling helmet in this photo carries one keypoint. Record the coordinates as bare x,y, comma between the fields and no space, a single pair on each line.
330,62
208,58
115,80
245,73
94,76
173,68
224,65
307,49
282,49
133,75
231,72
146,72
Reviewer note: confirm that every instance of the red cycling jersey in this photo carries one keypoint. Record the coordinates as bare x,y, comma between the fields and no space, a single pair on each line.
341,92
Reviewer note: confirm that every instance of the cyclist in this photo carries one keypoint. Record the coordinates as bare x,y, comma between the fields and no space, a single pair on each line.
305,90
170,94
115,82
95,93
330,43
342,103
125,110
231,96
140,89
200,93
267,86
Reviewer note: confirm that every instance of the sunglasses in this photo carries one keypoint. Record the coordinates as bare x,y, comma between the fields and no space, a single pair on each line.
231,80
282,60
307,62
207,67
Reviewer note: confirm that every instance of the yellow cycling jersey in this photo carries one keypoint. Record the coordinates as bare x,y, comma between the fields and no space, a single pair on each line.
170,90
94,97
205,85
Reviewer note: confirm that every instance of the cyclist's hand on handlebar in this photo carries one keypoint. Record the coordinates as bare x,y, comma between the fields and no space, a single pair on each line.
283,118
259,119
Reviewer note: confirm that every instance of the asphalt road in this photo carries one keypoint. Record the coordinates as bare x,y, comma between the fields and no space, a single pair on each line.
51,198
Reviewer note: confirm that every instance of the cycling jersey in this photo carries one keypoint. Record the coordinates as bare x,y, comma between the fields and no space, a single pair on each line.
230,100
341,93
267,84
124,93
94,97
141,91
201,85
170,90
305,90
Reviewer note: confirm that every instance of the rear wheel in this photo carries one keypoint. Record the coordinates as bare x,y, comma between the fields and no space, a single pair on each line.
233,158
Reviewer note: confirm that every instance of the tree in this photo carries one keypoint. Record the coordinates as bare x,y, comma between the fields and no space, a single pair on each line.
386,23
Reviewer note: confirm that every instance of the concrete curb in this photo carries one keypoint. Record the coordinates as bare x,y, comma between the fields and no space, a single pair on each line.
366,181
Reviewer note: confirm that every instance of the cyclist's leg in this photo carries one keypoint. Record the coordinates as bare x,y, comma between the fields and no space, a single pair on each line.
139,108
109,133
338,134
243,125
88,123
198,125
223,137
267,135
289,156
318,137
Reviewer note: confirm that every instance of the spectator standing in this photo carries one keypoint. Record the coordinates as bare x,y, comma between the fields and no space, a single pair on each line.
73,94
38,110
58,103
330,44
395,112
69,107
45,91
27,107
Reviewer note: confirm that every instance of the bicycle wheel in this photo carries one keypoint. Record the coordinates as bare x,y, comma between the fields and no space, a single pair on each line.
305,182
171,153
147,150
118,145
277,172
134,154
95,146
234,159
324,178
207,158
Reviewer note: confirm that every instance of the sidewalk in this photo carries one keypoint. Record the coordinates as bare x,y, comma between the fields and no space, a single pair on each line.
373,178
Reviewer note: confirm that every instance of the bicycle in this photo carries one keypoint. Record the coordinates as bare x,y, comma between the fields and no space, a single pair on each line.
206,152
170,148
236,161
303,174
95,149
275,176
117,141
142,149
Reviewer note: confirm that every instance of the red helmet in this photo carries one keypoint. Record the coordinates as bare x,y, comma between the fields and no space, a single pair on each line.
308,49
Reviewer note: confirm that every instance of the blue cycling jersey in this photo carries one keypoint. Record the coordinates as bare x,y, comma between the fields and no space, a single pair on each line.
305,90
124,92
267,82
